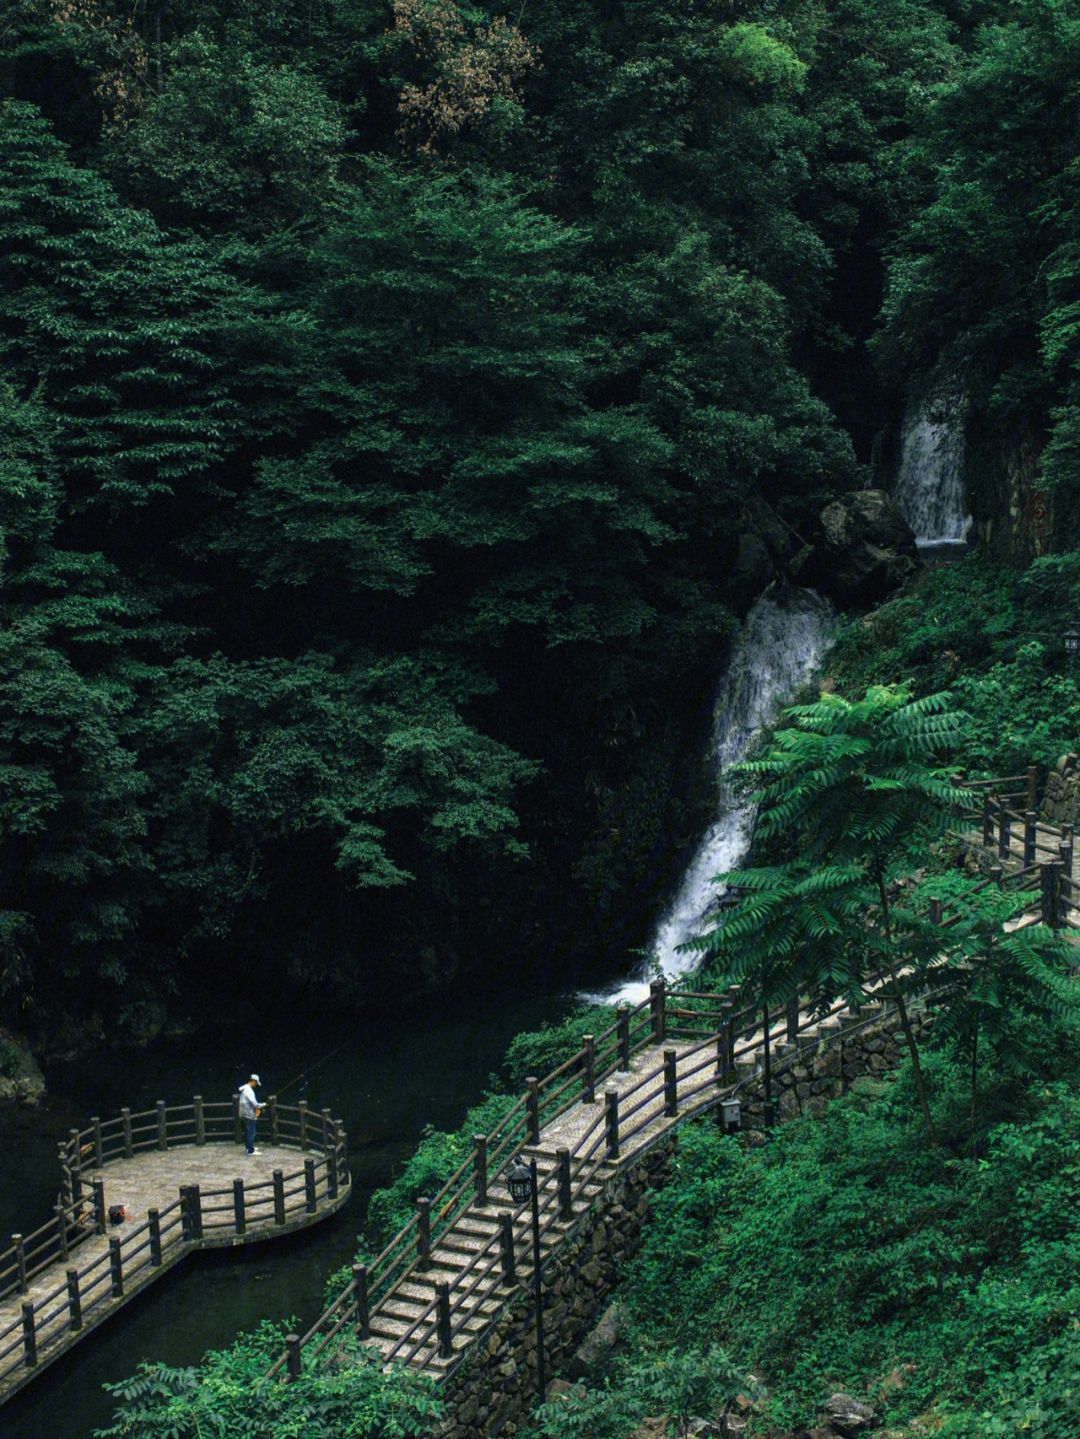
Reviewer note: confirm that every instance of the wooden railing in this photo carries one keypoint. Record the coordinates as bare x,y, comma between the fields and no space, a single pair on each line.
197,1215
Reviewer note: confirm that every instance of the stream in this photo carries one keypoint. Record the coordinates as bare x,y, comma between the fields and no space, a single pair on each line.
392,1075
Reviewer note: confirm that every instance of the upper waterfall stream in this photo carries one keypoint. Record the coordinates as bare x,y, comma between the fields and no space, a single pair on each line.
930,485
781,644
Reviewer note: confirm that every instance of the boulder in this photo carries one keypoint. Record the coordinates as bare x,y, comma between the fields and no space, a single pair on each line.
1061,801
21,1081
847,1416
863,549
598,1345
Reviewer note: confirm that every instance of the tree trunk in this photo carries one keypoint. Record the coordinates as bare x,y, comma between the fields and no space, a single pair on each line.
905,1022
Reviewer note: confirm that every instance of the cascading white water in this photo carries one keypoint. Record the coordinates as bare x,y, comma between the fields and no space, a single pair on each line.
930,486
780,645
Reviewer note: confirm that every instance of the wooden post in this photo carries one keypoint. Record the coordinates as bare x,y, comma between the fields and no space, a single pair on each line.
1051,893
310,1200
116,1267
1032,786
792,1016
20,1261
423,1233
671,1083
100,1217
658,1010
125,1118
566,1193
611,1123
279,1196
480,1175
1030,837
725,1060
768,1059
532,1108
363,1316
74,1300
99,1147
76,1172
588,1069
238,1131
301,1105
162,1137
935,911
239,1207
622,1021
506,1248
988,822
154,1223
1065,853
65,1173
331,1173
343,1150
200,1121
29,1335
271,1105
195,1200
997,875
292,1357
1004,833
325,1130
446,1341
61,1230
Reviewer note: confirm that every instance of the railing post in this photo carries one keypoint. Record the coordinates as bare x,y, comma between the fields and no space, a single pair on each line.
363,1315
65,1173
116,1267
20,1261
301,1105
29,1335
792,1017
611,1122
292,1357
566,1193
935,911
61,1230
725,1044
74,1300
238,1132
423,1233
1051,893
988,822
1032,786
310,1201
446,1341
1030,821
671,1083
331,1173
76,1171
100,1217
997,875
766,1036
588,1068
271,1105
195,1201
324,1114
1065,851
506,1248
99,1147
1004,833
239,1207
200,1121
153,1219
622,1020
480,1175
279,1196
532,1108
658,1010
162,1137
343,1151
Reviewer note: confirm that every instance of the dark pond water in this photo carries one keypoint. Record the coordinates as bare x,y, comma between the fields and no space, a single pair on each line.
386,1075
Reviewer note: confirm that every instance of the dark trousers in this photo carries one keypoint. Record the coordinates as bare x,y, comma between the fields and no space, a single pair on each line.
249,1135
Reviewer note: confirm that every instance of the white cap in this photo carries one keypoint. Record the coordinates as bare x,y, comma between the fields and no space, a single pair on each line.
254,1079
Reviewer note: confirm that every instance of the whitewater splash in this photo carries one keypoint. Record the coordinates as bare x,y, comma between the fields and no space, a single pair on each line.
781,643
930,486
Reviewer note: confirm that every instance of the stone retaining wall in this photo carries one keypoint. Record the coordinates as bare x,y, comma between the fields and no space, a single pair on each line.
496,1384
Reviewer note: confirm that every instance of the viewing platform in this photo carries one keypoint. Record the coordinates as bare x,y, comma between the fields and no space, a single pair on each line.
185,1183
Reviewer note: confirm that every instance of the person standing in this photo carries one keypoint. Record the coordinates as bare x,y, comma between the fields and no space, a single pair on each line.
249,1112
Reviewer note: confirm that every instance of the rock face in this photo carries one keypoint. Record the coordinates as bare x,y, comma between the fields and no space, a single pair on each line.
846,1416
1061,802
21,1081
862,551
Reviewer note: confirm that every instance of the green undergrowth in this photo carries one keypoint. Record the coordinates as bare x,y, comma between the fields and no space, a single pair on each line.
848,1255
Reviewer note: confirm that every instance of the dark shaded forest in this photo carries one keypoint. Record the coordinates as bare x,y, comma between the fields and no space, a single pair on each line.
402,403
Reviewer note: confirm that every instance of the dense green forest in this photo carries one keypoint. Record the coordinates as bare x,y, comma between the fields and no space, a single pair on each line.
402,403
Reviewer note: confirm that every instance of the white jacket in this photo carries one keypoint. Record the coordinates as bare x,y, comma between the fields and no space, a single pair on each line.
248,1103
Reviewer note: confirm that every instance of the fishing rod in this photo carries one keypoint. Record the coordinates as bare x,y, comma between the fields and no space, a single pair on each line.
312,1067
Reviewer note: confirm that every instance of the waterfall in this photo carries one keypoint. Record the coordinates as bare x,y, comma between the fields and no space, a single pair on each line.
781,643
930,486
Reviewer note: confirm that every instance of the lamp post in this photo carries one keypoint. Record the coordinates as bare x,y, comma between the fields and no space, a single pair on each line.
1071,639
522,1183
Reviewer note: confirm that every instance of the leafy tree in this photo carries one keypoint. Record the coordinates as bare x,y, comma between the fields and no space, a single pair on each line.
844,788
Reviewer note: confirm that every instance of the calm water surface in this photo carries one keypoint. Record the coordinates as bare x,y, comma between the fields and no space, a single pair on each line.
391,1076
